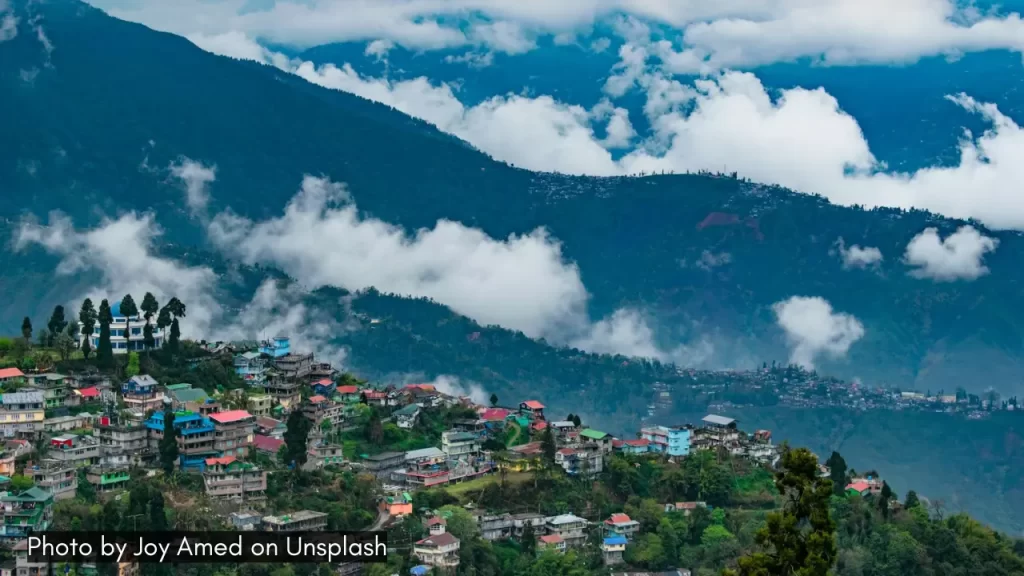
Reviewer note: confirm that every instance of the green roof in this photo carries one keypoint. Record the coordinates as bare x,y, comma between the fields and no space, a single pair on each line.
190,395
593,434
173,387
33,494
407,410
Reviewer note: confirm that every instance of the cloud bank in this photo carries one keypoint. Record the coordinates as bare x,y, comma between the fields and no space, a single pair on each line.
858,257
957,257
813,329
195,178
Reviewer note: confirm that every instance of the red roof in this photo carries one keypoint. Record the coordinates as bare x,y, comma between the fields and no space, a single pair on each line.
265,422
317,399
638,442
11,373
230,416
540,425
566,451
324,382
616,443
618,519
372,395
266,443
533,405
551,539
858,486
348,389
223,460
90,392
424,387
494,414
435,521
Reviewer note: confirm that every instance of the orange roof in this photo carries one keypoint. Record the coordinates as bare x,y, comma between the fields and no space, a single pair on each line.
533,405
539,425
348,389
90,392
618,519
435,520
11,373
324,382
230,416
551,539
223,460
858,486
424,387
317,399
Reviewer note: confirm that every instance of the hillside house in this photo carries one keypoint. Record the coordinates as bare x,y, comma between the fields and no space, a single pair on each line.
187,397
30,511
21,413
406,417
79,451
54,386
142,394
460,444
319,408
270,427
86,395
228,478
522,457
562,428
267,445
673,441
601,440
276,347
251,367
11,376
295,367
612,549
284,391
685,507
637,446
622,525
129,438
348,393
382,465
438,550
321,452
495,527
301,521
260,405
233,432
108,478
56,477
552,542
195,438
569,527
532,408
323,387
126,334
522,520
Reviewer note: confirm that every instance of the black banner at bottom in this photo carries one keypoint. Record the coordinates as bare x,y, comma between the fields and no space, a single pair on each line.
213,547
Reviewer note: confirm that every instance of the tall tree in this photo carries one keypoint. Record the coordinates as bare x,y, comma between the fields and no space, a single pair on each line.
26,329
547,444
128,310
85,491
528,543
87,316
911,500
65,343
150,307
104,351
57,321
884,498
175,309
837,473
295,438
494,399
800,540
168,446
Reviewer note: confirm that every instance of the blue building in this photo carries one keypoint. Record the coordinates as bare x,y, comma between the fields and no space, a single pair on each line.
674,441
195,438
126,334
279,346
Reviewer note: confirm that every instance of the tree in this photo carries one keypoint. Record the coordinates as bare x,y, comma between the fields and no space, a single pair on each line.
57,322
547,444
169,315
157,514
150,307
168,446
87,316
576,420
494,399
837,472
65,343
800,540
104,351
528,543
295,438
911,500
133,365
26,329
128,310
85,491
884,498
20,483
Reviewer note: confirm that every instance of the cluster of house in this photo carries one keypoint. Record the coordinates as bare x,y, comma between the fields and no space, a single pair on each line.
714,433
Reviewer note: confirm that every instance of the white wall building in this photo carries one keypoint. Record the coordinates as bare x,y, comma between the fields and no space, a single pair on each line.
120,340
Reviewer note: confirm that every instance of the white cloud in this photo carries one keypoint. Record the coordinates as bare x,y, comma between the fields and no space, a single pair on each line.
452,386
728,33
379,49
858,257
958,257
813,329
709,260
195,177
8,27
627,332
521,283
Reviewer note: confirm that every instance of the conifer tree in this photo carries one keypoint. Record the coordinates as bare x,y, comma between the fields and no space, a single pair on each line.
548,446
26,330
57,322
150,307
168,446
837,472
128,310
295,438
87,316
104,351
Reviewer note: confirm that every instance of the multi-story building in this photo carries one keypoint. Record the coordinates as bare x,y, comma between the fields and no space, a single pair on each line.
28,510
405,417
460,444
674,441
11,376
603,440
226,477
142,394
67,423
233,432
185,397
126,334
319,408
276,347
195,438
587,459
284,391
496,527
260,405
54,386
440,550
252,367
294,366
303,520
130,438
322,452
56,477
78,451
621,525
571,528
21,413
612,550
24,567
107,478
382,465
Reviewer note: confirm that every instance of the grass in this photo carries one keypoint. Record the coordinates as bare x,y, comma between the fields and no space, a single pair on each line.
462,489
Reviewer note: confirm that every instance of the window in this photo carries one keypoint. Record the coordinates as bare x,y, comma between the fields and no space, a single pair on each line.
136,331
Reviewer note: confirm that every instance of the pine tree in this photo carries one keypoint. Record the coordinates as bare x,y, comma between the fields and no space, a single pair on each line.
87,316
296,437
837,472
57,322
548,446
494,399
26,330
150,307
169,443
128,310
528,543
85,492
912,500
104,351
884,498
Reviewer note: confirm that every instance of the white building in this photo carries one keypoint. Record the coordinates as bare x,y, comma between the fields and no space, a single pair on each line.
120,340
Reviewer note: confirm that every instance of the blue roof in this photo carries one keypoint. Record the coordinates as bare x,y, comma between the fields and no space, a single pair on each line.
419,570
115,308
615,540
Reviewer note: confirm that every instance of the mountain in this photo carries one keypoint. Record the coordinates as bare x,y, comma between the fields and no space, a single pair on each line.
142,99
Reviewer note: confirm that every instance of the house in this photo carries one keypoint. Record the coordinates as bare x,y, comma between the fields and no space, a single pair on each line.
283,390
551,542
522,457
438,550
865,486
79,451
9,376
252,367
323,387
612,549
319,408
321,452
270,427
382,465
431,455
195,435
375,397
638,446
129,438
569,527
141,394
56,477
294,366
685,507
245,521
406,417
84,396
21,413
602,439
561,428
60,424
233,432
539,426
435,525
301,521
25,512
186,398
348,393
260,404
400,507
276,347
673,441
126,333
54,386
532,408
622,525
228,478
460,444
267,445
108,478
858,488
495,526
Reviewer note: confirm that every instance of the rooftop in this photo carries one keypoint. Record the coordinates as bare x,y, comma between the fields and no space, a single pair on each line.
615,541
566,519
34,397
718,420
593,434
230,416
551,539
442,539
533,405
431,452
11,373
